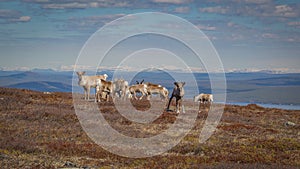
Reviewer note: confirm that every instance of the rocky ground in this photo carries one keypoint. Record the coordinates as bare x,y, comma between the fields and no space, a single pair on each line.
41,130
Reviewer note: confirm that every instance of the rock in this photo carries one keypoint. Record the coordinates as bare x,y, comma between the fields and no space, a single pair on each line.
288,123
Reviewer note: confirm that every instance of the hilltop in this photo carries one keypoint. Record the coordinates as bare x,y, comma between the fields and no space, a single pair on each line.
41,130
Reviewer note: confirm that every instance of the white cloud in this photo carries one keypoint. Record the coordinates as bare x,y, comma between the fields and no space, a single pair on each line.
285,11
22,19
90,22
182,9
115,4
172,1
73,5
207,27
216,9
253,1
77,4
261,10
231,24
13,16
269,35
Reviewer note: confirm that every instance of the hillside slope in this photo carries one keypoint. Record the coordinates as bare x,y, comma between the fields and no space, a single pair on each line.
40,130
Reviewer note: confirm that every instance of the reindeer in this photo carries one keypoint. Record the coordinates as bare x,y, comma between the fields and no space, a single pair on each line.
155,89
204,98
141,88
103,87
178,93
142,82
120,86
88,81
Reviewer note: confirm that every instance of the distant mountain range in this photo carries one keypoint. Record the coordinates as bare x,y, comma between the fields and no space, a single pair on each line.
43,86
253,87
39,80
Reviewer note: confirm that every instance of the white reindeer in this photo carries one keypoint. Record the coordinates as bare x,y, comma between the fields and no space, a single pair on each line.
88,81
120,87
204,98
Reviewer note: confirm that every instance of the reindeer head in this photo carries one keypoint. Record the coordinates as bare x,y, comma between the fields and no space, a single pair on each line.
137,82
179,91
80,74
105,76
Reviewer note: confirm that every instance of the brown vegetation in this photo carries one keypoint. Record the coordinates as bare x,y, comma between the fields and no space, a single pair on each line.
40,130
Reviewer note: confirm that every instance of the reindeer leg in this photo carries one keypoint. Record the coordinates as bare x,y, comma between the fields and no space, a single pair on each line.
123,97
169,102
135,96
148,96
142,96
99,95
107,97
177,106
88,93
181,106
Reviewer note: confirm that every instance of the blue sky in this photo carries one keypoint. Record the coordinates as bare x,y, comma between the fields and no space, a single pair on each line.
248,34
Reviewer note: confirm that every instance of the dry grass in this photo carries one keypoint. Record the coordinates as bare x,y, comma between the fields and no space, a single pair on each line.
42,131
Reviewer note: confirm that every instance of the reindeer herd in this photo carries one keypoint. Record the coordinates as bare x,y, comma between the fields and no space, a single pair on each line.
120,88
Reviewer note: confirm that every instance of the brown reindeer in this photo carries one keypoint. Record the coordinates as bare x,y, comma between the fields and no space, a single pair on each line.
103,87
141,88
157,89
178,93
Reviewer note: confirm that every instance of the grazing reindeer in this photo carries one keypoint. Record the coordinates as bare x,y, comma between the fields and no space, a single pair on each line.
204,98
156,89
103,87
88,81
120,86
142,88
178,93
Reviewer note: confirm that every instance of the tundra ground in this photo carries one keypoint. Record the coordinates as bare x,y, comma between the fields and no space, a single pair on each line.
41,130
